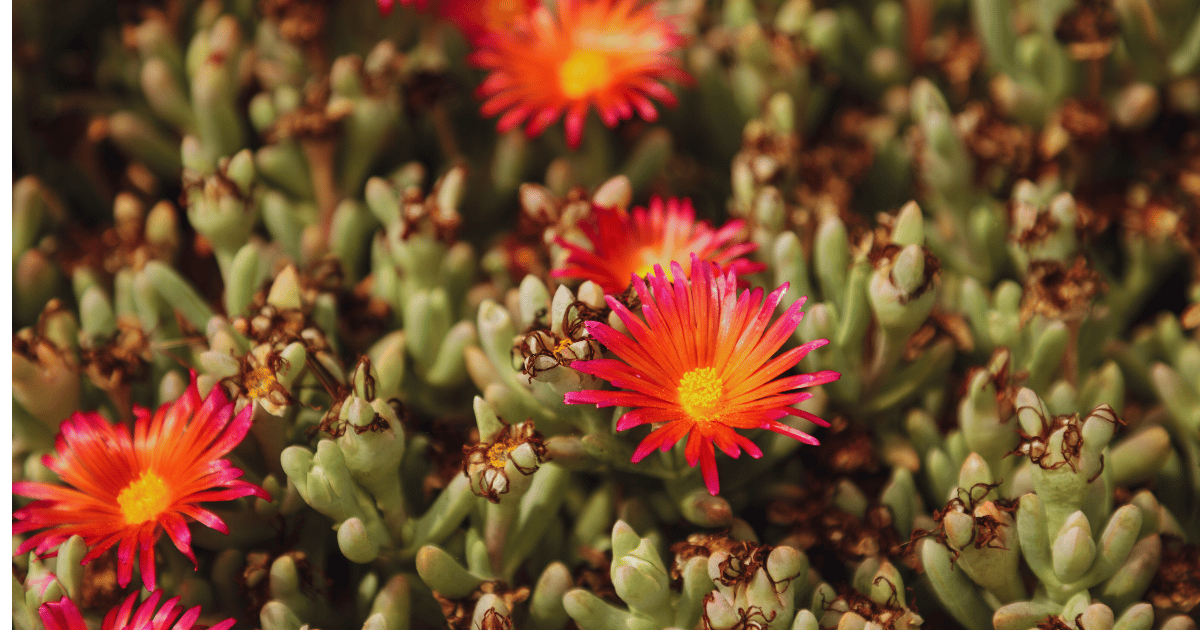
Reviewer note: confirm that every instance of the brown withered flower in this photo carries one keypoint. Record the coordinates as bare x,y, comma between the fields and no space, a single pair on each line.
1057,291
1003,151
544,349
120,361
698,545
941,324
957,54
987,514
1037,447
332,422
893,614
1054,622
832,167
1088,29
1176,585
486,463
256,379
99,585
460,612
749,618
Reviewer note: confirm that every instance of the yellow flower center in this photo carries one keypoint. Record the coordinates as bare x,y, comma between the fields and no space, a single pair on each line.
584,72
563,346
498,454
259,381
699,393
144,499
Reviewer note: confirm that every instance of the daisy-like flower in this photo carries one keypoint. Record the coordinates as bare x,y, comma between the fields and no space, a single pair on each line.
126,490
607,54
64,615
478,19
625,244
700,365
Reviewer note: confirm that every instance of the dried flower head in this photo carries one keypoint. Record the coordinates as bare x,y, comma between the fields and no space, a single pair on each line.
119,361
486,463
126,490
544,349
624,244
988,518
607,54
460,613
699,365
1054,290
1039,447
257,379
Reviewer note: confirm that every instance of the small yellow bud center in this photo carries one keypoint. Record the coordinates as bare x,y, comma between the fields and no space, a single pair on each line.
144,499
259,381
498,454
584,72
700,392
563,346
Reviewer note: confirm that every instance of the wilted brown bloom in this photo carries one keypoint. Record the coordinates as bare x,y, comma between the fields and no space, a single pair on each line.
986,532
1086,123
486,463
256,379
1037,447
1054,622
543,349
1088,29
119,361
1176,585
460,612
1059,292
890,615
1003,151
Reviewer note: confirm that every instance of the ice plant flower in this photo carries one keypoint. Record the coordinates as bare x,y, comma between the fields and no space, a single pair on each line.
127,489
479,19
625,244
610,54
700,365
64,615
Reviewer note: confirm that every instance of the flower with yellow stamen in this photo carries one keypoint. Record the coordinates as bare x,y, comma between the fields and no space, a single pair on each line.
700,363
624,244
607,54
126,490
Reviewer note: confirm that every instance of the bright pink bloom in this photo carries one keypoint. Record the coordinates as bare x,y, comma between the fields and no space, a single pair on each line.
700,365
607,54
63,615
625,244
480,19
126,491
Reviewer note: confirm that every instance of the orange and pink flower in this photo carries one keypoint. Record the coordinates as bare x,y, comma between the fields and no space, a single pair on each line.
127,490
607,54
631,244
64,615
701,364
